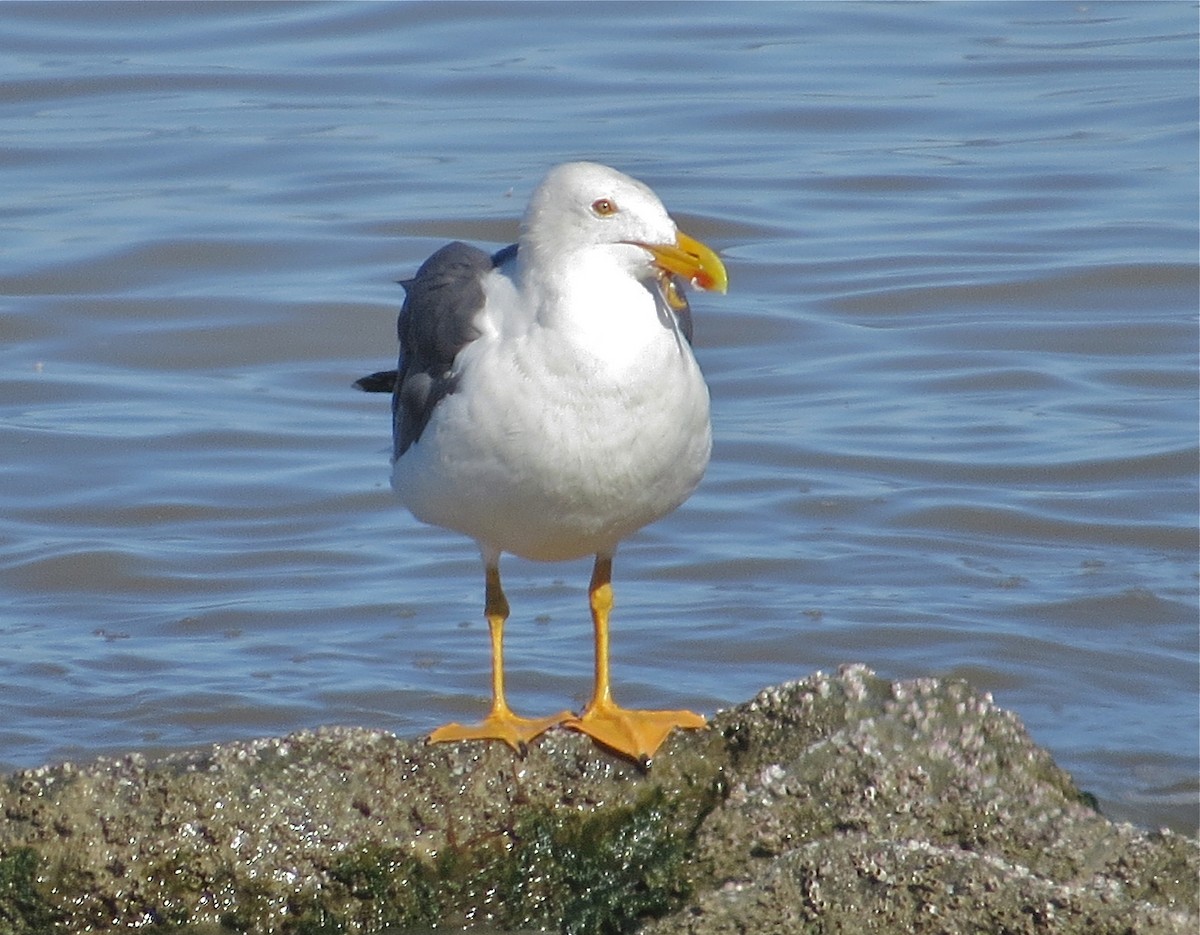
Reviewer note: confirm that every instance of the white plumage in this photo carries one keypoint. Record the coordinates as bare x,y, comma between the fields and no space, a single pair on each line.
548,403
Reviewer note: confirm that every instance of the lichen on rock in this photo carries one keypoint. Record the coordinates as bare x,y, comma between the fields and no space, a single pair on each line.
838,803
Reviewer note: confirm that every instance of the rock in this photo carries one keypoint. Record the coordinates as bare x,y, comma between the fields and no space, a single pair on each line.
834,804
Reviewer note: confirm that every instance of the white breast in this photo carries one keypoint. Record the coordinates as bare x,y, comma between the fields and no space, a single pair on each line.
567,437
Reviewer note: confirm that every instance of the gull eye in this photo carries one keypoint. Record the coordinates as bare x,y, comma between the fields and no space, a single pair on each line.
604,207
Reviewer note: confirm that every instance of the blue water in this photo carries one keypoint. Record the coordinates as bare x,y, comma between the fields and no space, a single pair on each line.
954,380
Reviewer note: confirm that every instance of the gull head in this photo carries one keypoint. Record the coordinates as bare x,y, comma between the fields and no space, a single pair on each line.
584,205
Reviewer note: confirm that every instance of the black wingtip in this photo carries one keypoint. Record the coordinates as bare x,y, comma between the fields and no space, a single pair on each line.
384,381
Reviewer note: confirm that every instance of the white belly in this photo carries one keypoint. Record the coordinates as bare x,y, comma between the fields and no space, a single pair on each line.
551,454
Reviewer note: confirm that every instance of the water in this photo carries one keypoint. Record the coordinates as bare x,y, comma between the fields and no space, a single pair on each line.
954,381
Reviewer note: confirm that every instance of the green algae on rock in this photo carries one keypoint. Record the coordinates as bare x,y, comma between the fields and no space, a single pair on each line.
833,804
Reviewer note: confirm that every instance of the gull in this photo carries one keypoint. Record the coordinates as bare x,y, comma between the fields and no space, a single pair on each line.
548,404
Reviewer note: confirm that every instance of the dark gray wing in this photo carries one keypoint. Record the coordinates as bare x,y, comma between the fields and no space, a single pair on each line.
672,304
436,322
382,381
683,311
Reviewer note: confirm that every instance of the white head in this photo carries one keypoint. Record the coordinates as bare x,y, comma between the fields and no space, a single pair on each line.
584,204
580,206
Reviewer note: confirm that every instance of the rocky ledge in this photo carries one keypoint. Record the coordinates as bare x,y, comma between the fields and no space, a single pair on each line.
834,804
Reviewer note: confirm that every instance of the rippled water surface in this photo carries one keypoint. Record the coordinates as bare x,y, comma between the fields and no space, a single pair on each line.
954,380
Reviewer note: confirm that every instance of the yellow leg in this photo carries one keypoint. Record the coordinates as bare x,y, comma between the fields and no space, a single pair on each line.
501,723
635,734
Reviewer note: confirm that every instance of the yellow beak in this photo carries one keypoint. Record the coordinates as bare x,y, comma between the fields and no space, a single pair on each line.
692,260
